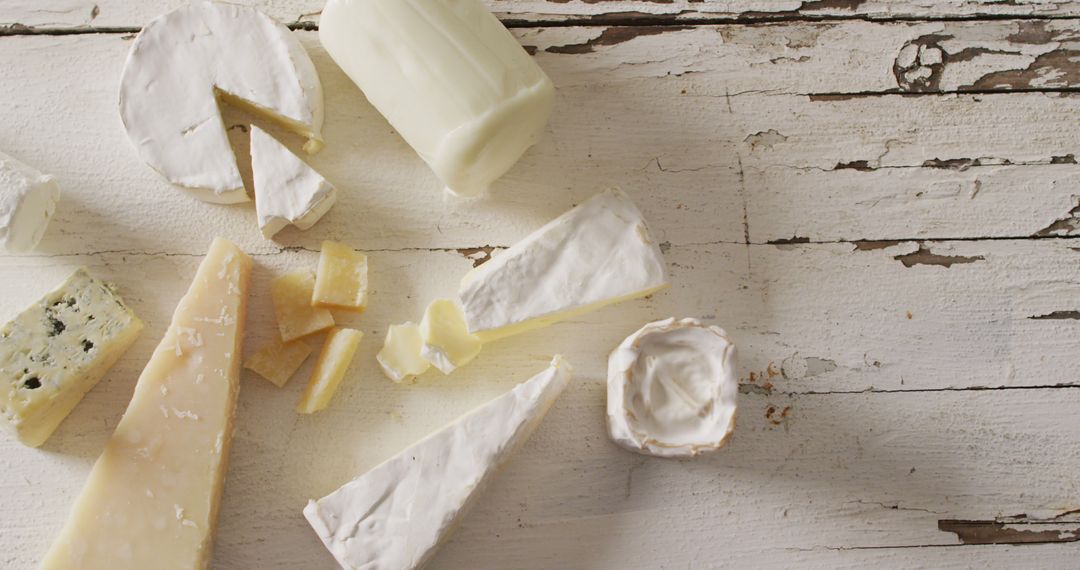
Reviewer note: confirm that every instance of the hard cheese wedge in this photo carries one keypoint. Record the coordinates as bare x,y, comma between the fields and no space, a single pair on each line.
342,279
397,514
287,190
152,497
54,352
291,294
447,342
334,360
401,357
277,361
597,254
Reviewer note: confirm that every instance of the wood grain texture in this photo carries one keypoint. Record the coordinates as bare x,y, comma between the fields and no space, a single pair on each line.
887,231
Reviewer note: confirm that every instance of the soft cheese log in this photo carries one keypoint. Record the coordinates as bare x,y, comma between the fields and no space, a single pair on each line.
58,349
449,77
287,190
152,497
27,202
183,61
396,515
597,254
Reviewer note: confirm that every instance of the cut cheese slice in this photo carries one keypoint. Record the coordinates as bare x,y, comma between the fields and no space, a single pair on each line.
597,254
277,361
291,294
152,498
183,61
401,357
54,352
27,202
337,354
449,77
447,342
342,279
287,190
397,514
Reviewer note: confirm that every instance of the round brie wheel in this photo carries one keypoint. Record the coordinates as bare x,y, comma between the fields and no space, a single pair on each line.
672,389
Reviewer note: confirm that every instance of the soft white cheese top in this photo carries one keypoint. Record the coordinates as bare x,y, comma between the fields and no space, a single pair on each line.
597,254
449,77
287,190
397,514
178,66
672,389
27,202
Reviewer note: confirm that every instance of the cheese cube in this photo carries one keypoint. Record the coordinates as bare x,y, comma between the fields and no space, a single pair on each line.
447,342
54,352
277,361
337,354
401,357
341,282
152,498
296,317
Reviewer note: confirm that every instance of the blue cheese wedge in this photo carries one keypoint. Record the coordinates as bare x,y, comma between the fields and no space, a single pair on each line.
55,351
397,514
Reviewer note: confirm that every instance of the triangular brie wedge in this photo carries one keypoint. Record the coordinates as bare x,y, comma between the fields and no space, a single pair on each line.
397,514
597,254
287,190
183,61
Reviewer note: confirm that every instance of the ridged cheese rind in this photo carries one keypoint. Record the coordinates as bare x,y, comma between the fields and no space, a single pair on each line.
396,515
58,349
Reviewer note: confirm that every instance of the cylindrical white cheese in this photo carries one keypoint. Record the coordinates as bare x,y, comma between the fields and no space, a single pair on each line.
449,77
27,202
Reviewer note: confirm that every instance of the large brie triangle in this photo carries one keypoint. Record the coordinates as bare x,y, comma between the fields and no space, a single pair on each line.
287,190
183,61
396,515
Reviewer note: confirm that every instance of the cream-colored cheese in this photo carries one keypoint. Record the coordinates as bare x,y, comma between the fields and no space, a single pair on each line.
402,354
182,62
448,344
278,361
597,254
397,514
341,281
287,190
672,389
27,202
449,77
54,352
296,317
334,360
152,498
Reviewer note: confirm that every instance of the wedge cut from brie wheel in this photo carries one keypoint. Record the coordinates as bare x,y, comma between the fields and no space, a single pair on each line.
27,202
152,498
288,192
449,77
597,254
672,389
396,515
184,61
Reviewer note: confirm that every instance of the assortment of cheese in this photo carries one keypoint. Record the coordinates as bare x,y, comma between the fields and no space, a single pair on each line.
470,101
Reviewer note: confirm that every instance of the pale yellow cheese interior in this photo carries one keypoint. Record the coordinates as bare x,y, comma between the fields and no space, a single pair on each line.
277,361
152,498
291,294
448,345
334,360
342,278
401,357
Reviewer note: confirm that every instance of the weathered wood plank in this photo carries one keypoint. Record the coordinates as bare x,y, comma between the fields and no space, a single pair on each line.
76,14
805,473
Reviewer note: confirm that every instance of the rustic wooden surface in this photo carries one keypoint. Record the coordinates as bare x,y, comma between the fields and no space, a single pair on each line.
878,199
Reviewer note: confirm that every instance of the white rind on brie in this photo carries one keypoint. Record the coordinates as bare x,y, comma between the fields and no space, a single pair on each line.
449,77
597,254
287,190
396,515
27,202
672,389
184,61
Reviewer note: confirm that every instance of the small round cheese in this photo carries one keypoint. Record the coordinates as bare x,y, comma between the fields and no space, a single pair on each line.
184,61
672,389
27,202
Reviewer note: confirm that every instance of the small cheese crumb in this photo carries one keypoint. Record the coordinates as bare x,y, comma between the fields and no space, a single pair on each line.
164,411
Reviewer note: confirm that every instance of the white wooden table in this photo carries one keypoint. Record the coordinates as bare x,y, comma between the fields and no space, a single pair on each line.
878,199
